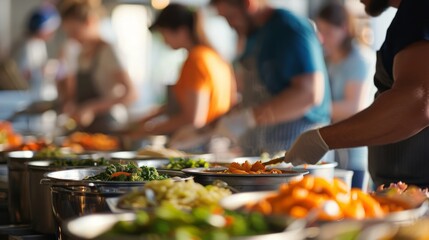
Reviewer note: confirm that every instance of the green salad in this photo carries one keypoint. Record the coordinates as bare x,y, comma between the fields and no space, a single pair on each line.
167,222
128,173
181,163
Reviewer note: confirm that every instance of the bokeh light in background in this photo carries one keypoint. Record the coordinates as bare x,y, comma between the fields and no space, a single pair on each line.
160,4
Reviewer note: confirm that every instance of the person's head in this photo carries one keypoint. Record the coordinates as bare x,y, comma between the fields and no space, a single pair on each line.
336,28
43,22
376,7
180,26
80,18
240,14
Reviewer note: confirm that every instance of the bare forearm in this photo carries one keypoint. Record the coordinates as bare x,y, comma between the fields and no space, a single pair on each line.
306,91
394,116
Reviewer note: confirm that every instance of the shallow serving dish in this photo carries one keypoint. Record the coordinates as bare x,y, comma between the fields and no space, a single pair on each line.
73,196
238,201
245,182
92,226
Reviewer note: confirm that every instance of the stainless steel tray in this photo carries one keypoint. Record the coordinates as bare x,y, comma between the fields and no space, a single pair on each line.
92,226
245,182
237,201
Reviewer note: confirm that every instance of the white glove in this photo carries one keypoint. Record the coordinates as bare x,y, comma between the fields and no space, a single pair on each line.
308,148
235,124
187,138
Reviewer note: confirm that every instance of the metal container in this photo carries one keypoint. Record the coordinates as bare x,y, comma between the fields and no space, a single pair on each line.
19,190
92,226
72,196
42,218
245,182
325,170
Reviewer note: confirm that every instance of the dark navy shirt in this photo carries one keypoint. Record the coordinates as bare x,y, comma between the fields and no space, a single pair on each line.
410,25
405,160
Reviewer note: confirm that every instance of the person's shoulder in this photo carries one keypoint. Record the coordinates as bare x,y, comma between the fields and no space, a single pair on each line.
285,17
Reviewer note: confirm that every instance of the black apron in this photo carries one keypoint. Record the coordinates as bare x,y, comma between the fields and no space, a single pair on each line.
86,90
407,160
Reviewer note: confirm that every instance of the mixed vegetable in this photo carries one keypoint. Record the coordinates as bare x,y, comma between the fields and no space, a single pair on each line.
128,172
181,194
181,163
80,162
168,222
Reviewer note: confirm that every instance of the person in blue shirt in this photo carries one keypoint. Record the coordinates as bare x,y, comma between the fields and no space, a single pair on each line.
285,85
396,125
350,65
285,88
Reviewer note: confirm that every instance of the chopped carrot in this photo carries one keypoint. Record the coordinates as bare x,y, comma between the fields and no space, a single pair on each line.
117,174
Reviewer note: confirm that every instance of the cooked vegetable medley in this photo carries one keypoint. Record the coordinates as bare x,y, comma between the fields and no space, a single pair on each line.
128,172
181,194
181,163
201,223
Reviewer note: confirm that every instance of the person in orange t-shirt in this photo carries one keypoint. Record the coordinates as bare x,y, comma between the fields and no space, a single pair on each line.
206,86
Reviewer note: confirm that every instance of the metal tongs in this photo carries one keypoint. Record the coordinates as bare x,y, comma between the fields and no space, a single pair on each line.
274,161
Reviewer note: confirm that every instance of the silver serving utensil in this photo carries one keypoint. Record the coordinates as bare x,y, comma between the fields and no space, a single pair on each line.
222,184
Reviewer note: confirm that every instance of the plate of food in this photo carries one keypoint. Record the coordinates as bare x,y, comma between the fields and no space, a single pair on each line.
184,195
246,176
168,222
328,201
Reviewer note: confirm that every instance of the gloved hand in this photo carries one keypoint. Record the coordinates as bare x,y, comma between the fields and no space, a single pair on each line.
236,124
188,137
308,148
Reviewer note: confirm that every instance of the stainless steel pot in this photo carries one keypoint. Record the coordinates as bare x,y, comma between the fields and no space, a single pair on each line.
72,196
42,218
19,197
19,190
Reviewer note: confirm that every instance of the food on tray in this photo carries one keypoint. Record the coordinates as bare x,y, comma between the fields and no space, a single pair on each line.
50,151
128,173
180,194
161,152
80,162
299,198
400,196
97,141
248,168
181,163
8,137
167,222
418,230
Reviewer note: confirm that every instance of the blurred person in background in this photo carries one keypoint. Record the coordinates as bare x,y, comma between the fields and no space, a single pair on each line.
285,84
350,67
31,53
396,125
100,81
206,86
